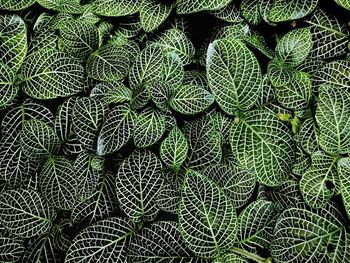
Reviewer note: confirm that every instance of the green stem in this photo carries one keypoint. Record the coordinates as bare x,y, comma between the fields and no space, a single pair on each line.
251,256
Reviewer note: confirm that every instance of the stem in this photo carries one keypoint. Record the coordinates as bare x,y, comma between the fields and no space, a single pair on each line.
252,256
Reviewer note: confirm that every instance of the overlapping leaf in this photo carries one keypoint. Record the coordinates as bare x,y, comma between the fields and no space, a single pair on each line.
116,8
284,10
153,14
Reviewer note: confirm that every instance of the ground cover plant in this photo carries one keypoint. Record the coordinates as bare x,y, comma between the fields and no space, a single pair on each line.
174,131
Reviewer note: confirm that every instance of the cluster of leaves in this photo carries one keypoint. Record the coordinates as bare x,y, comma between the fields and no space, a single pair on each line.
123,140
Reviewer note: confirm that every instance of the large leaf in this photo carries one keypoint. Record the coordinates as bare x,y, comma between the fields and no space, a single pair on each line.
294,47
303,236
234,75
88,115
108,63
161,242
78,38
284,10
335,73
330,37
15,4
191,99
149,128
174,149
12,249
193,6
116,130
49,74
343,3
116,8
333,119
344,178
58,183
13,39
24,213
263,145
237,183
8,90
207,216
139,180
153,14
105,242
64,6
38,139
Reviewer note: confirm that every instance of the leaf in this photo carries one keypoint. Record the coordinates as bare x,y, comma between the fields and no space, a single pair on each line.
113,8
153,14
161,242
191,99
283,10
58,183
194,6
233,74
149,128
88,115
24,213
335,73
294,47
146,67
333,119
38,139
230,258
12,249
279,75
207,216
116,130
343,3
109,63
237,183
174,149
160,93
175,40
49,74
40,249
229,13
344,178
138,183
297,93
168,198
112,93
13,39
263,145
8,90
13,5
307,231
78,38
173,70
330,36
255,225
105,241
250,11
308,136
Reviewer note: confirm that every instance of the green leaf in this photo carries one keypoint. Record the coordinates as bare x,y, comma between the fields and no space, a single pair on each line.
297,93
307,231
116,8
237,183
139,180
14,5
191,99
320,182
161,242
8,90
308,136
330,36
111,93
49,74
344,178
153,14
64,6
78,38
255,225
229,13
194,6
109,63
149,128
12,249
146,67
88,115
263,145
160,93
58,183
13,41
174,149
294,47
335,73
233,74
116,130
38,139
343,3
279,75
173,70
175,40
106,240
207,217
333,119
24,213
230,258
284,10
250,11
